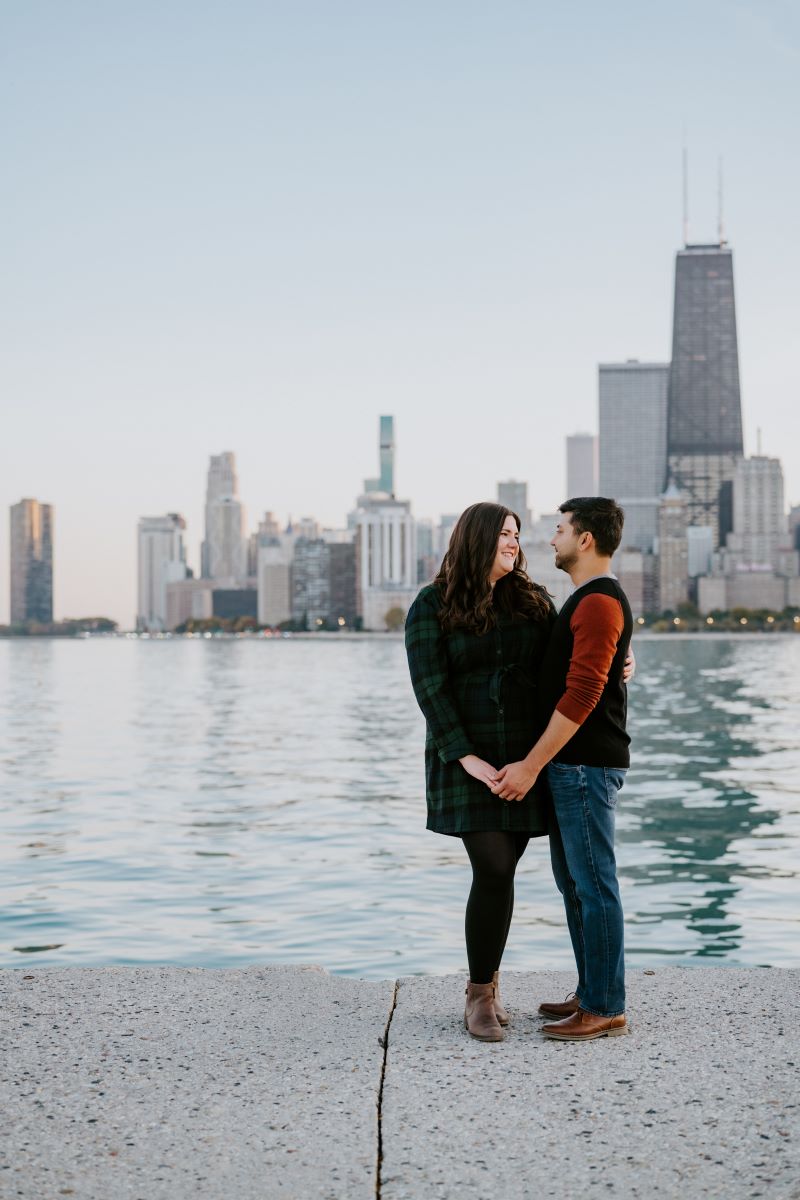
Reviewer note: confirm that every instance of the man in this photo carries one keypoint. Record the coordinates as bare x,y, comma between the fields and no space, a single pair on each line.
585,751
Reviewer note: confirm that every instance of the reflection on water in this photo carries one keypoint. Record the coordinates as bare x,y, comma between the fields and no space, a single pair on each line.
698,820
225,802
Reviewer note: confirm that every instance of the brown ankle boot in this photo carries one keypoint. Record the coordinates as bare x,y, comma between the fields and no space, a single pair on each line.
500,1011
479,1016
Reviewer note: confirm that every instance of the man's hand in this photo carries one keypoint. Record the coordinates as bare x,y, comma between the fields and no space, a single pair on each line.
478,769
515,781
629,669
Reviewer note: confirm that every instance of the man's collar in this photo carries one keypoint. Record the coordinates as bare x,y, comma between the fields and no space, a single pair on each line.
592,578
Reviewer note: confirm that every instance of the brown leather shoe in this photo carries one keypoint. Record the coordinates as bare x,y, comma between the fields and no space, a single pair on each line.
480,1018
500,1011
565,1009
584,1027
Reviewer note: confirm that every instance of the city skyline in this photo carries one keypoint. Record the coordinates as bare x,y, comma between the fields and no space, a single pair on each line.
445,228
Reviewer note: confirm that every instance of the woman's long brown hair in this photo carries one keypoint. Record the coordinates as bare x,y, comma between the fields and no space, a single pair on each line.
468,599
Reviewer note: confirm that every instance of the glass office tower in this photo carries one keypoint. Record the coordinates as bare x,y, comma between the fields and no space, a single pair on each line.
31,576
632,405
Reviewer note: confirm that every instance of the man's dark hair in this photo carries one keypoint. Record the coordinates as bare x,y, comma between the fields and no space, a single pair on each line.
598,515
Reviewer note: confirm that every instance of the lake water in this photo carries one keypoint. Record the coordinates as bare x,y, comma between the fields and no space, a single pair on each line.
227,802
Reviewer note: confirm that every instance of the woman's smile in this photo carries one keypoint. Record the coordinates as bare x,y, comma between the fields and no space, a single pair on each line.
507,550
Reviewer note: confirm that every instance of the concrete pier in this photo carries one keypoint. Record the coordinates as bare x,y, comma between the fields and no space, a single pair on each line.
151,1083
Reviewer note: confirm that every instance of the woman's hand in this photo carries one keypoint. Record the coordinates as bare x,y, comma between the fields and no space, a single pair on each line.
629,670
514,781
479,769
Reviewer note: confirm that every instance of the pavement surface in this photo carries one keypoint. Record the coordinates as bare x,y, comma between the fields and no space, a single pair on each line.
701,1099
162,1082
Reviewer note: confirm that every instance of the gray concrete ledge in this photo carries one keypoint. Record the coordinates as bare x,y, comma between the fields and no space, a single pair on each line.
154,1083
269,1081
702,1099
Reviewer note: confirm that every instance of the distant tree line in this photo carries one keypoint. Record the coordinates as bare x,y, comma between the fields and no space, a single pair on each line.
251,625
687,619
69,628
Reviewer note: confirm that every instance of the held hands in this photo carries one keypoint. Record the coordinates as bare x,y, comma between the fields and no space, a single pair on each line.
514,781
509,783
478,769
629,669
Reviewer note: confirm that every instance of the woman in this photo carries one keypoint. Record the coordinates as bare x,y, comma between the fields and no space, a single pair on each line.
475,639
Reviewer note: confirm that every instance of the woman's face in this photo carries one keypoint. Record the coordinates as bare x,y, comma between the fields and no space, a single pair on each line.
507,550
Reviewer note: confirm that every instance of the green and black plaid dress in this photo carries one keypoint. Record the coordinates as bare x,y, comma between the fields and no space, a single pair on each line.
478,696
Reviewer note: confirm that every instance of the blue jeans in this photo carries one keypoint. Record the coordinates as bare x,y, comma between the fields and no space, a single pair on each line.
585,870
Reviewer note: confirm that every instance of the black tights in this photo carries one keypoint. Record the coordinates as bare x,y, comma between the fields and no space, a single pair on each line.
494,857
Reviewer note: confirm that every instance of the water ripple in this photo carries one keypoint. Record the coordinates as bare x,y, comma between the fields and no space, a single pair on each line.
210,802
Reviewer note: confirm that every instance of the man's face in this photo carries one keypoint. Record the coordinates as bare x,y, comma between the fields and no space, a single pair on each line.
565,543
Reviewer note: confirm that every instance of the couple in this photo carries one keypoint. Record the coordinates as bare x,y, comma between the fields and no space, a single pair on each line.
525,712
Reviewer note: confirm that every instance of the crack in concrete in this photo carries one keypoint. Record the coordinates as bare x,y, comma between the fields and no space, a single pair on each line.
384,1042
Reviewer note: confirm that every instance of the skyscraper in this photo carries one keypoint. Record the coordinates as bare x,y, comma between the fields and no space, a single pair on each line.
161,561
385,481
31,577
274,582
387,455
794,526
632,401
386,560
426,559
343,603
704,415
673,550
582,465
311,585
760,529
386,542
513,494
224,551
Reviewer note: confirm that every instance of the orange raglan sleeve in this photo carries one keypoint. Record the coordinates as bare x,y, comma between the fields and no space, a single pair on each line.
596,624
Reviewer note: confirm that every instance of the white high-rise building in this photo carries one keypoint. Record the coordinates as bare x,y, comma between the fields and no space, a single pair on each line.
225,539
161,561
581,465
224,552
672,547
759,567
759,519
633,444
386,556
274,582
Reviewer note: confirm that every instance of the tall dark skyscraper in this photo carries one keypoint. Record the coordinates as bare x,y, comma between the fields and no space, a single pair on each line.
704,411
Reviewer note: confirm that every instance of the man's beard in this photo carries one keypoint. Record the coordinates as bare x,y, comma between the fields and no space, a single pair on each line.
565,561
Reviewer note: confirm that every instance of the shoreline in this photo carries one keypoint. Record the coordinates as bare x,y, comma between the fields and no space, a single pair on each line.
330,636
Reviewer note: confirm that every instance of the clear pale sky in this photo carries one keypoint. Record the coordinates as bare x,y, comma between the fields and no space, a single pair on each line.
257,226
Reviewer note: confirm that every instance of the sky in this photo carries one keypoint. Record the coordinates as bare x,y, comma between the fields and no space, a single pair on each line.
257,226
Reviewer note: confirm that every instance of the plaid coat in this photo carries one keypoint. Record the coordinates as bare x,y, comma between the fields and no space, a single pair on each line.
478,696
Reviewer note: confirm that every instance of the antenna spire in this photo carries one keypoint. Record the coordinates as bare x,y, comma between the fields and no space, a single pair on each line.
685,191
720,224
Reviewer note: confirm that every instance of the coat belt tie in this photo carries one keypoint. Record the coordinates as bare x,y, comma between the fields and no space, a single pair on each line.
497,679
